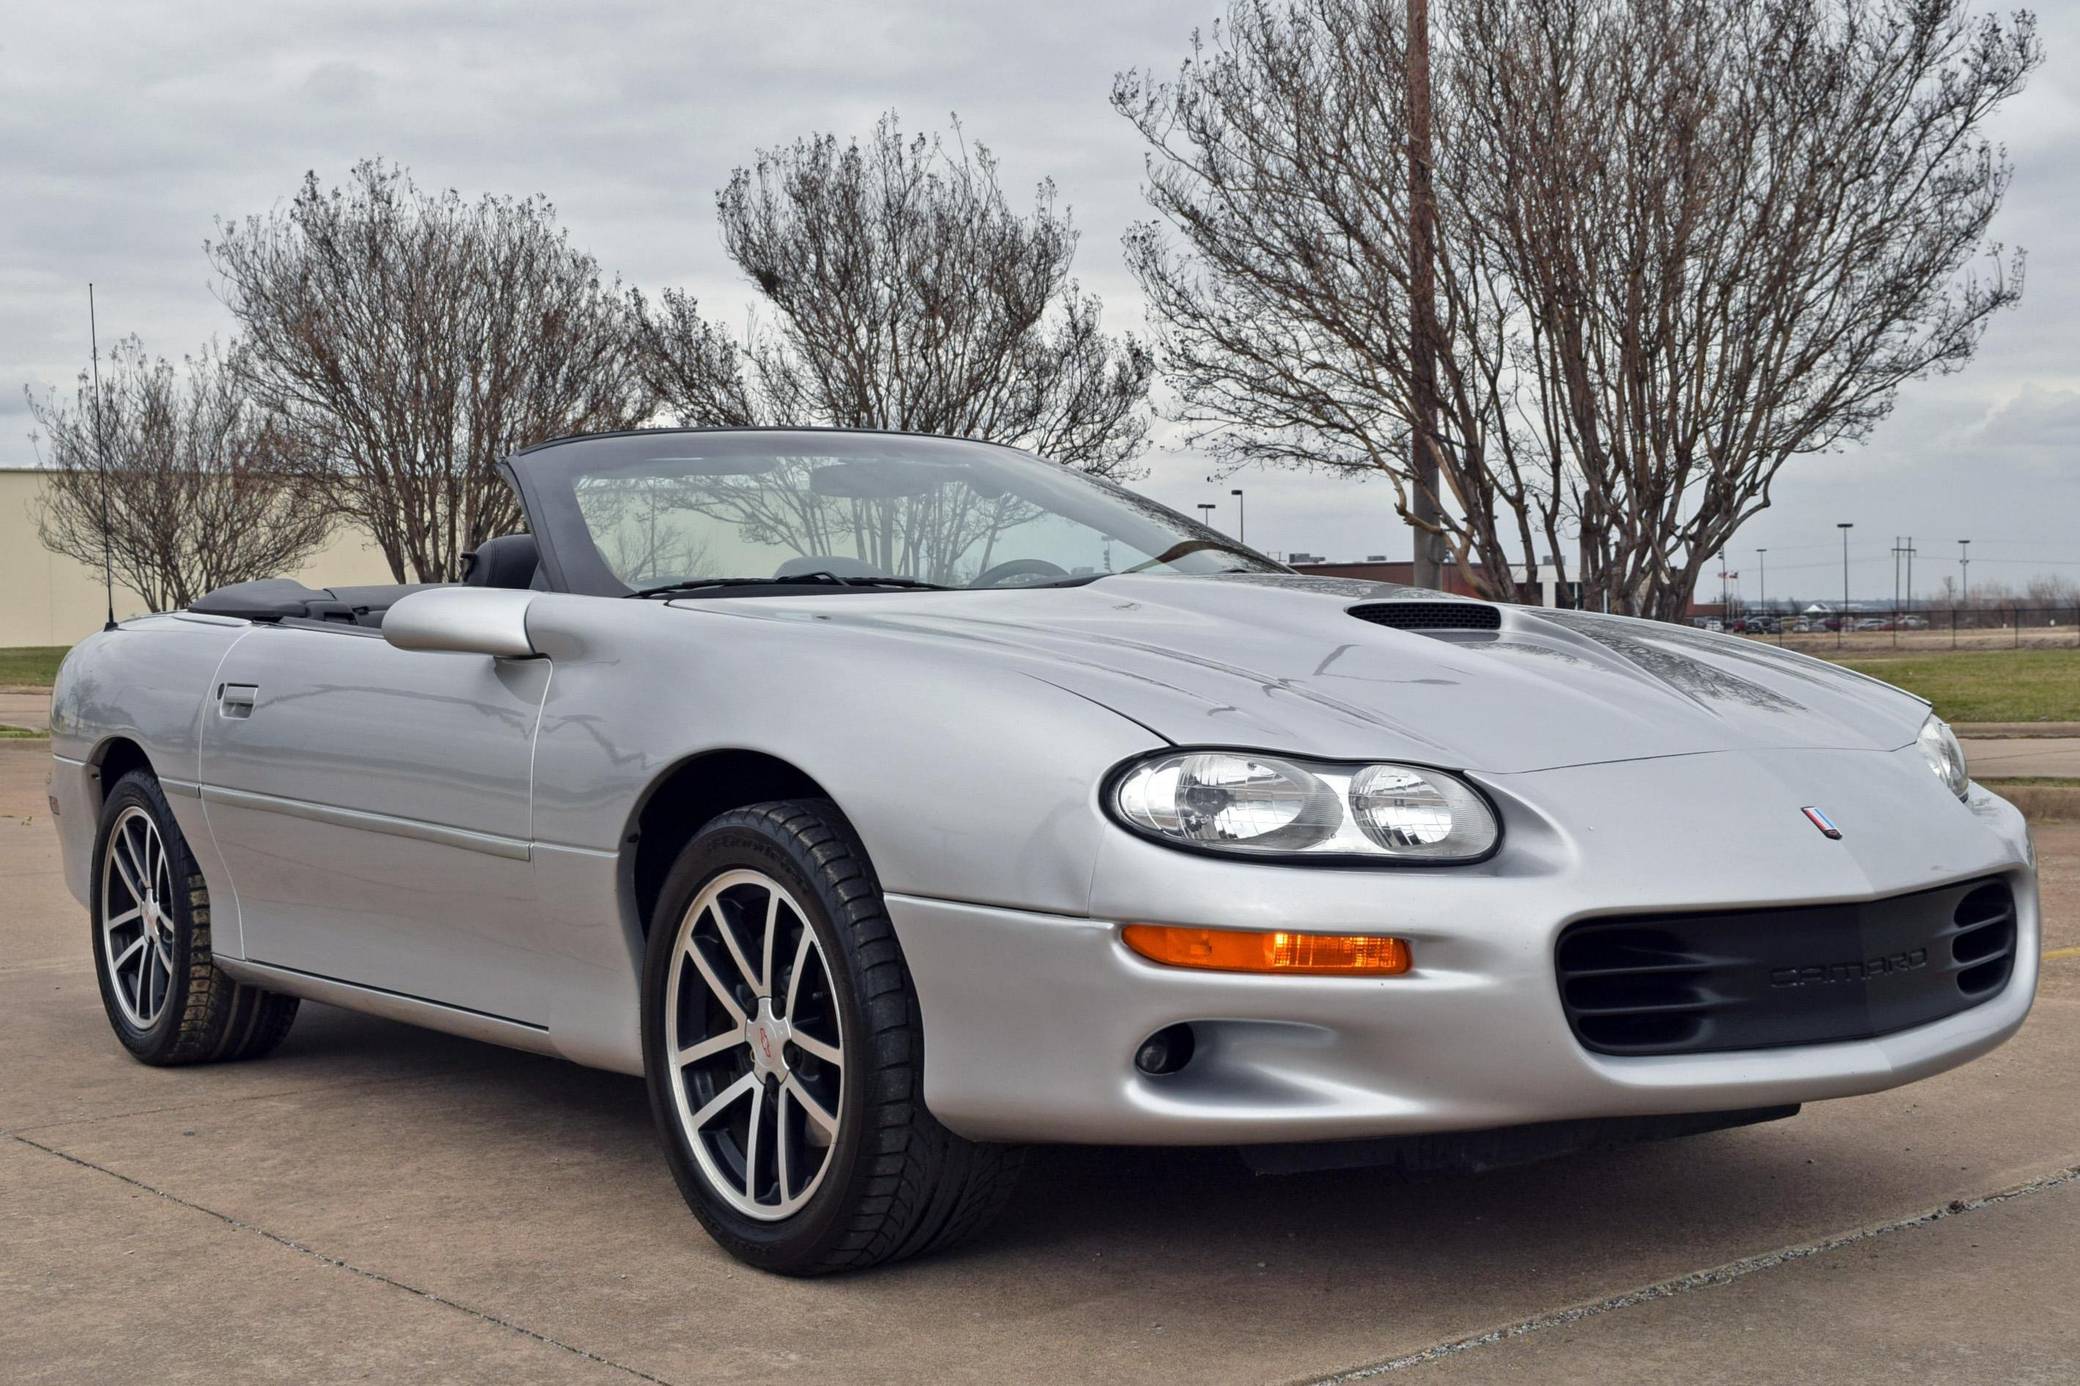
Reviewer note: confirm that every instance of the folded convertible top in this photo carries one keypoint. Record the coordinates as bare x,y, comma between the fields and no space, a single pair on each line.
279,599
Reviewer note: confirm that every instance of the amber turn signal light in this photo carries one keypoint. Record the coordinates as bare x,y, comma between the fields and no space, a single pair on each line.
1275,951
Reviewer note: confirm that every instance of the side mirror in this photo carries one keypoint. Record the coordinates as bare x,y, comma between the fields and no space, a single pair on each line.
463,620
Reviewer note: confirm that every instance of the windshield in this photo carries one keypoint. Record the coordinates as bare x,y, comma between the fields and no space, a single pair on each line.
668,509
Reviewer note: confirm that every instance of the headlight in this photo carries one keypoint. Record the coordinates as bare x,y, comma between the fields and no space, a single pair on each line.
1945,756
1254,805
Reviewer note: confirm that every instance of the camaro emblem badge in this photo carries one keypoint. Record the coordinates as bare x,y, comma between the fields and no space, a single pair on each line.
1822,822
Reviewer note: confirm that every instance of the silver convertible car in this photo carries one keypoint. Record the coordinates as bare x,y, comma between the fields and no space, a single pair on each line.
891,802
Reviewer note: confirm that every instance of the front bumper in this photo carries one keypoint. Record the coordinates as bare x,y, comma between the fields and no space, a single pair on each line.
1031,1020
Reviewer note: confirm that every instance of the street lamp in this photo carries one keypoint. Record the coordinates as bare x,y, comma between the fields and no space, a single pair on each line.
1842,618
1762,578
1206,513
1241,518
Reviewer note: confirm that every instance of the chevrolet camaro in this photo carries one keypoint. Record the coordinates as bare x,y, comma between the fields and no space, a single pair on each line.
890,803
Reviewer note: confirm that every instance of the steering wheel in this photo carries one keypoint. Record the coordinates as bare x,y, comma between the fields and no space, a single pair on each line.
1010,568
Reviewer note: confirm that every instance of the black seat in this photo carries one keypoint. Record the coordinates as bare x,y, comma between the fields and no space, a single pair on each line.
508,561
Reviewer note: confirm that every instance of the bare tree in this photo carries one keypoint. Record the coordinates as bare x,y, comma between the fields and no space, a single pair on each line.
1679,242
1279,156
909,295
410,339
1739,229
199,488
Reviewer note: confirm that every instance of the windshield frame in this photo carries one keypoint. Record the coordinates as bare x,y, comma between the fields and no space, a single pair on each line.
545,478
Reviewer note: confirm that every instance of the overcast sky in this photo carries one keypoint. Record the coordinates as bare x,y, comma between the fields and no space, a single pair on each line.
126,129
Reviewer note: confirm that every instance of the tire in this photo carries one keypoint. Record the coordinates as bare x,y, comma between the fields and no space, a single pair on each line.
890,1182
166,998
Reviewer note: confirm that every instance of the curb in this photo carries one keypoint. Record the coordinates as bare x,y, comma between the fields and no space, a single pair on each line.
2041,803
2007,731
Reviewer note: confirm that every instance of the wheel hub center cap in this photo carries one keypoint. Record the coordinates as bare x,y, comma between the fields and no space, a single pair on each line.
767,1034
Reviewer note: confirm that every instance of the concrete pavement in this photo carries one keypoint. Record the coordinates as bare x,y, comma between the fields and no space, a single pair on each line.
376,1201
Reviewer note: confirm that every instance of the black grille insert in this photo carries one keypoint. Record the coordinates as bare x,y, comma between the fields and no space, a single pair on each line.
1431,615
1753,979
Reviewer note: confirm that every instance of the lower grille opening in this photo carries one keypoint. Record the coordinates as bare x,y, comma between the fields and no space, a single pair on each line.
1633,989
1984,943
1752,979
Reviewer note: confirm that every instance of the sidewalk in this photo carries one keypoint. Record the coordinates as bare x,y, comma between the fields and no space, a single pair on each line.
2007,758
31,710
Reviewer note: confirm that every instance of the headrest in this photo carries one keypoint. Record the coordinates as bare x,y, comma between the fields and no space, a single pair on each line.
508,561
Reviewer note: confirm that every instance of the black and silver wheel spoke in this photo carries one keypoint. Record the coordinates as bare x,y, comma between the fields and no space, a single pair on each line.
752,1026
137,917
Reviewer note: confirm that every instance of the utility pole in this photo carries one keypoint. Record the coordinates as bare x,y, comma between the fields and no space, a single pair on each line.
1422,296
1843,620
1241,518
108,562
1896,552
1762,578
1964,571
1910,552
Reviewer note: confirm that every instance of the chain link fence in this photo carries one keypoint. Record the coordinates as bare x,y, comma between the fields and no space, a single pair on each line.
1953,628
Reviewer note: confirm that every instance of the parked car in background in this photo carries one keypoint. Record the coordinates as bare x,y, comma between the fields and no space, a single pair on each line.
888,802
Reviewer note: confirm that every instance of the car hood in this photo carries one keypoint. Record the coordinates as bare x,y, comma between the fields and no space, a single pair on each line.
1278,662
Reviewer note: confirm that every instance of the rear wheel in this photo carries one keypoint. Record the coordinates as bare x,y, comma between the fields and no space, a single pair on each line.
784,1054
165,997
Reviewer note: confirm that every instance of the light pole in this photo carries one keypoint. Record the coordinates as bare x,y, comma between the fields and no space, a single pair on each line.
1241,518
1206,513
1842,617
1762,577
1964,572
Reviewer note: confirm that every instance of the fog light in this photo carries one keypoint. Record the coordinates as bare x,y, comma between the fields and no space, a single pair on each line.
1271,951
1166,1051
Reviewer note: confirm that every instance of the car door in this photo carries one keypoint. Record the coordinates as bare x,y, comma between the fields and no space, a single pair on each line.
371,805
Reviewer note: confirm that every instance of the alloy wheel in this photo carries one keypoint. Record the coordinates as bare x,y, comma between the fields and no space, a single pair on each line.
137,917
756,1047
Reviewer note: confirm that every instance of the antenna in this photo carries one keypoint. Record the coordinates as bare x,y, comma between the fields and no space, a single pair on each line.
108,563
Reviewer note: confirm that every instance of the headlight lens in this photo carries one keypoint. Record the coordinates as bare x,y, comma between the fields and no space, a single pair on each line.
1233,801
1945,755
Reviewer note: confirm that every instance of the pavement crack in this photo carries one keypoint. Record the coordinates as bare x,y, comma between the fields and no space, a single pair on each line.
1708,1278
337,1263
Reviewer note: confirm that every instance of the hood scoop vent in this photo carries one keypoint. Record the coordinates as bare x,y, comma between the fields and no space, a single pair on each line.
1431,615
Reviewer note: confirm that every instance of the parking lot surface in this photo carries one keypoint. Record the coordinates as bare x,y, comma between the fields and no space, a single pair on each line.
377,1202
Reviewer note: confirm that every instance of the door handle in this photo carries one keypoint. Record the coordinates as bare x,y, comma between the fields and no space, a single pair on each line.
237,699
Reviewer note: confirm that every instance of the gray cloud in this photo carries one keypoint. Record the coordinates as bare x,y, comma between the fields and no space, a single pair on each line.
129,127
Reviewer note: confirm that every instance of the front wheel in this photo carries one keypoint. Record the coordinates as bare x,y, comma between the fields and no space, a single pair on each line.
784,1055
